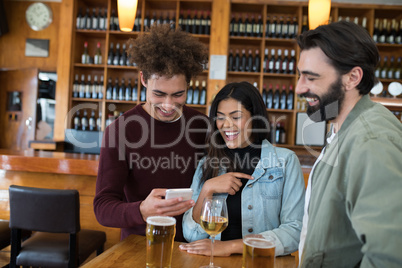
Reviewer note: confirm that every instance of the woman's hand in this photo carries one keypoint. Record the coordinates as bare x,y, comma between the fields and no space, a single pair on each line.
221,248
227,183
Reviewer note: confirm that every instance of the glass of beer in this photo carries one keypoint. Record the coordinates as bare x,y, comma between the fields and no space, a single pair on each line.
160,233
258,251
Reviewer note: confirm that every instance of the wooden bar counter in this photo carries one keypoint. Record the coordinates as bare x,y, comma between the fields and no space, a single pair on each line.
131,252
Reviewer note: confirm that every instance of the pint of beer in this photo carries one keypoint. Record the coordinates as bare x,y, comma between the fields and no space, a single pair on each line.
258,251
160,233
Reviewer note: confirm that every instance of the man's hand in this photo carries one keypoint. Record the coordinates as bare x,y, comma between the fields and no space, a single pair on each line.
154,205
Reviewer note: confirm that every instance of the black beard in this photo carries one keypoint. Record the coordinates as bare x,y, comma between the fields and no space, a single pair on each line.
329,104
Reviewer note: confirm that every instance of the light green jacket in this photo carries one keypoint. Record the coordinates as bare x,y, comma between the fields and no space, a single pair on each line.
355,210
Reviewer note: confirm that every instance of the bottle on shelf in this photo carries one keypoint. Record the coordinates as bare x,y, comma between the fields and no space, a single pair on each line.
196,93
248,26
267,27
123,58
88,88
278,62
265,62
100,88
95,88
271,63
115,91
137,22
293,28
283,98
102,19
153,19
189,22
264,94
109,89
243,61
398,37
203,23
272,32
135,90
76,87
94,20
384,68
276,99
143,95
280,134
196,23
77,120
84,121
279,28
92,121
285,62
236,65
290,98
249,61
81,93
146,21
112,26
285,28
98,54
116,56
383,31
236,25
122,89
257,61
85,55
398,68
376,32
392,32
172,20
242,26
190,91
304,24
231,25
391,69
88,20
230,60
208,23
258,26
79,19
270,97
99,122
127,95
292,62
203,94
110,55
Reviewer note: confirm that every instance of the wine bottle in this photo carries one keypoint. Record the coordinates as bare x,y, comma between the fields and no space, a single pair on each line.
265,62
116,56
88,20
292,62
203,95
79,19
242,27
92,121
197,23
248,26
236,65
279,26
99,122
81,93
100,88
276,99
123,58
278,62
267,27
283,98
128,91
384,68
143,95
392,32
190,90
285,28
102,20
109,89
290,98
137,22
153,19
181,20
112,26
76,87
115,91
84,121
98,54
377,72
376,31
398,69
231,25
77,120
203,21
196,93
270,97
188,23
383,32
271,63
291,29
95,21
398,37
391,69
135,90
110,55
146,21
257,61
236,25
304,24
272,32
122,89
250,60
230,60
264,94
243,61
258,27
85,55
285,62
88,88
95,86
208,23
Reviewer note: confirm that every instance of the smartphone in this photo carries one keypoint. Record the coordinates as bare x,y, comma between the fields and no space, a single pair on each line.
186,193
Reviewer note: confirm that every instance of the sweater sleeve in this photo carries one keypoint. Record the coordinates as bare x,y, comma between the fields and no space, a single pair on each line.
109,205
291,215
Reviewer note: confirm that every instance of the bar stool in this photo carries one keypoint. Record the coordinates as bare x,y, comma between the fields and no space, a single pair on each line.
54,215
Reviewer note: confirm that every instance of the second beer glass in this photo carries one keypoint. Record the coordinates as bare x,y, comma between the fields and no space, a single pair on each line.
258,251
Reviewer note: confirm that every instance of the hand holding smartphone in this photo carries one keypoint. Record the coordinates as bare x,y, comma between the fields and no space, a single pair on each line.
186,193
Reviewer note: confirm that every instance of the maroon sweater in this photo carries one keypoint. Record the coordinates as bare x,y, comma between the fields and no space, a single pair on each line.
140,153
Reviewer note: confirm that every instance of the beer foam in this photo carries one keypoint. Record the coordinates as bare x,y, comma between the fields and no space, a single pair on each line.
161,220
256,242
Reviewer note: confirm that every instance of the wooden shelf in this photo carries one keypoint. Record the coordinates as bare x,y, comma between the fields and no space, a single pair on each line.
390,103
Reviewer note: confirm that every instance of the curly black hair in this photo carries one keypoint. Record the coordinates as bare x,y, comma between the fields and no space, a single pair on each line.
167,52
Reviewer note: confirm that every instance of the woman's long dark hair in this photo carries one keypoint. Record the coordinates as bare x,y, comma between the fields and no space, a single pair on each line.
251,99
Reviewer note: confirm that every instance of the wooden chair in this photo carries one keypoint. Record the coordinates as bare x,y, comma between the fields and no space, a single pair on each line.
54,216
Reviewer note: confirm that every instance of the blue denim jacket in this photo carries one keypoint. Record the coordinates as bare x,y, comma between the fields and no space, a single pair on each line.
272,203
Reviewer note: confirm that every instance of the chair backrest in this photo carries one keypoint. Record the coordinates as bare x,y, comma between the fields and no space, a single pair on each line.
44,210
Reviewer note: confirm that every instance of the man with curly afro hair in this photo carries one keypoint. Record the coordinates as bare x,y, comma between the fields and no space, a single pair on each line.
154,146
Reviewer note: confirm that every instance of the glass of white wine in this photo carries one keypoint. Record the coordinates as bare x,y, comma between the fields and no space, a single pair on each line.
214,219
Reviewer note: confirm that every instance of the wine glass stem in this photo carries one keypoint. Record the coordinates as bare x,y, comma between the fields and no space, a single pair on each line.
211,260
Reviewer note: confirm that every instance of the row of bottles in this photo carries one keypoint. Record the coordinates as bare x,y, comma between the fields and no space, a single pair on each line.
278,133
95,21
389,68
195,94
273,63
196,22
87,88
85,123
118,56
96,59
124,91
387,31
277,27
278,99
